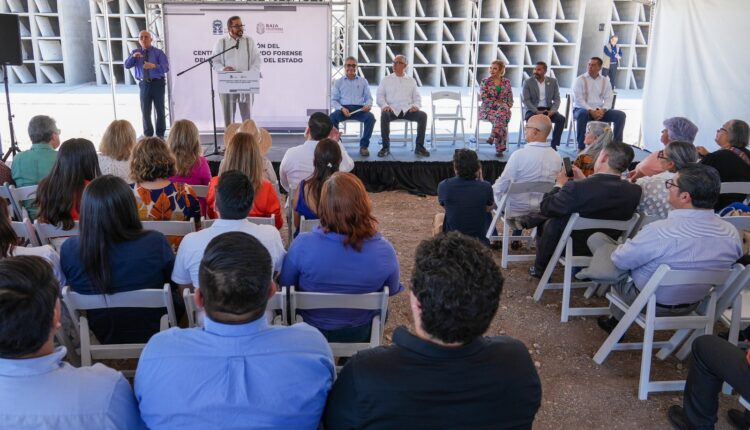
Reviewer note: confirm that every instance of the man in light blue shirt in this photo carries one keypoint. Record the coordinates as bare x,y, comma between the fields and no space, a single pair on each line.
351,100
37,389
692,237
237,371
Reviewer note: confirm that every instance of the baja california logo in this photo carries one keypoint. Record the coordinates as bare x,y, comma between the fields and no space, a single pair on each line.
260,28
216,27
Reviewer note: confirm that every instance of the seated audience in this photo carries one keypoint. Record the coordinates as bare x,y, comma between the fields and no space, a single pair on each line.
445,374
158,198
38,390
58,196
326,162
264,141
114,254
297,163
10,245
655,198
229,132
692,237
603,195
243,154
732,160
115,148
592,101
30,166
191,166
236,371
345,254
6,176
598,135
467,198
234,198
535,162
675,128
714,361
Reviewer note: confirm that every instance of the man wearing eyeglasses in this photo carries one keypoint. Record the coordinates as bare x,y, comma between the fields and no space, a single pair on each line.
691,237
351,100
399,98
245,57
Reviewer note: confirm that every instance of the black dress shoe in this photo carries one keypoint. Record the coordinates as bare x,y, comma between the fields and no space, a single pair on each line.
383,152
677,418
535,273
739,419
607,323
421,151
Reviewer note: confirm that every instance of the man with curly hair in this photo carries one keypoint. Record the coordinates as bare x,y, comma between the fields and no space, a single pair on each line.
444,374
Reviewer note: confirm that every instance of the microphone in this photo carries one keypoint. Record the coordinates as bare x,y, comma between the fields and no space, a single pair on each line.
237,46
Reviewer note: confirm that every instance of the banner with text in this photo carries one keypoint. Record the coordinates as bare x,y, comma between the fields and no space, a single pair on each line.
293,41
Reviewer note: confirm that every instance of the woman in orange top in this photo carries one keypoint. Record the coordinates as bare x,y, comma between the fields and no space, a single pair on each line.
243,154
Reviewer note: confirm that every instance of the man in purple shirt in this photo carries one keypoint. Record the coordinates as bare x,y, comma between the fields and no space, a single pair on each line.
151,67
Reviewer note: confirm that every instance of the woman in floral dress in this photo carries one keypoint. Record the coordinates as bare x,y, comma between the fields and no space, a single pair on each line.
497,99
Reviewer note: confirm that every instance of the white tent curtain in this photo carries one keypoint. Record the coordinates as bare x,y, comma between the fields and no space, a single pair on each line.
698,67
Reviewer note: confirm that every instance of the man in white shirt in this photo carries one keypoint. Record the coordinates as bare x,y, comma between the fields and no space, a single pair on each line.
245,57
537,161
592,100
38,390
398,98
234,198
297,163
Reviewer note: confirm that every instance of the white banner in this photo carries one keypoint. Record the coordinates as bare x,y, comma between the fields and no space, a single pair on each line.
293,41
697,67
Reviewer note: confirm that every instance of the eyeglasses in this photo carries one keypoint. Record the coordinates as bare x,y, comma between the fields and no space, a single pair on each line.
399,62
661,155
237,26
722,130
669,183
350,65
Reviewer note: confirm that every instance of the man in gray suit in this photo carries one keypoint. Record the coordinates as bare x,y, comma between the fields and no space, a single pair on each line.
541,95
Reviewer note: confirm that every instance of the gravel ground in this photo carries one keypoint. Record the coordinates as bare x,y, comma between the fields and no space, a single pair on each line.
577,393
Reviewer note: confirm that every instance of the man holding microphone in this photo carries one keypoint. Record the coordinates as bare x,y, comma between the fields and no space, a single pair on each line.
151,67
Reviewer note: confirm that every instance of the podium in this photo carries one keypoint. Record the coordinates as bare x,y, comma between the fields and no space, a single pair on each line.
239,82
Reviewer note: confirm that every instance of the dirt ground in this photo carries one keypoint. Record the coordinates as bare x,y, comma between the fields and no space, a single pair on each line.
577,393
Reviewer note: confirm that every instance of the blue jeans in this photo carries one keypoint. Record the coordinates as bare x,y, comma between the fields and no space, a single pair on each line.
152,93
582,118
365,117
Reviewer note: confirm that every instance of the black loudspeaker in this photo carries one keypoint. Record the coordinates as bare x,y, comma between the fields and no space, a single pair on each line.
10,40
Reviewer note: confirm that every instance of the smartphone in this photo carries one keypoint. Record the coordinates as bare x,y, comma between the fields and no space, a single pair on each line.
568,167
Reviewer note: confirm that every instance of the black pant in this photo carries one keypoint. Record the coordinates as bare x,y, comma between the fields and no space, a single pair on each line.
153,93
385,125
714,361
558,120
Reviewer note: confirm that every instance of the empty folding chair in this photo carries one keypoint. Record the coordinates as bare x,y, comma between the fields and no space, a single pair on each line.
457,117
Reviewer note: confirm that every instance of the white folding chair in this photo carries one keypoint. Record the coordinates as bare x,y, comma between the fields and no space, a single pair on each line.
20,195
25,229
408,138
348,139
170,228
476,126
738,317
301,300
289,213
745,404
5,194
306,225
275,304
90,348
258,220
500,215
643,220
576,223
736,188
200,190
702,320
54,235
457,116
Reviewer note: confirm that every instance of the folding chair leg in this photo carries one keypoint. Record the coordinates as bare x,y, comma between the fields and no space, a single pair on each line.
675,341
567,280
648,345
504,253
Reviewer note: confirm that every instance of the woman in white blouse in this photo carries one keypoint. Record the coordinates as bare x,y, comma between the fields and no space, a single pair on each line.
675,156
115,148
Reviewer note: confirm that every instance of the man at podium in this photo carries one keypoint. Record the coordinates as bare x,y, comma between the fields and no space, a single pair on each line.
244,58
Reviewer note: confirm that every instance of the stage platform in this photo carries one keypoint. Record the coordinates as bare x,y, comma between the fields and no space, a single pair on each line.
402,170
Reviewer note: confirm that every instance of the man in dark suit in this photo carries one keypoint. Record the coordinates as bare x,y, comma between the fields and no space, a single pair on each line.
541,95
603,195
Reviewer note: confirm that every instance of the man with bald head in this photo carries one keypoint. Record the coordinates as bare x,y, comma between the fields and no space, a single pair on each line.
151,67
399,98
537,161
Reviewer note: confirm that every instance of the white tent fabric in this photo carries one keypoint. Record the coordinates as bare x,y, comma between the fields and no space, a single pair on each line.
698,67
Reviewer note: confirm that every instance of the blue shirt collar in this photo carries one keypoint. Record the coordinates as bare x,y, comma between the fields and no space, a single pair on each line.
33,366
692,213
235,330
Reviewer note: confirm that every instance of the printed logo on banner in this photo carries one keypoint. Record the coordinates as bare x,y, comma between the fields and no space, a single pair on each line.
216,25
268,28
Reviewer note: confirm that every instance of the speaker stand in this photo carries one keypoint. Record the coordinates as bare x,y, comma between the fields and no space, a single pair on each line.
13,144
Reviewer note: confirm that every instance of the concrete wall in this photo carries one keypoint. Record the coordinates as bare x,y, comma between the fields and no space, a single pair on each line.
598,12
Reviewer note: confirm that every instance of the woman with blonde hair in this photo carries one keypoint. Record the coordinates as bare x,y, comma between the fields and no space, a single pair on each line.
115,148
497,99
345,255
264,141
243,154
190,164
